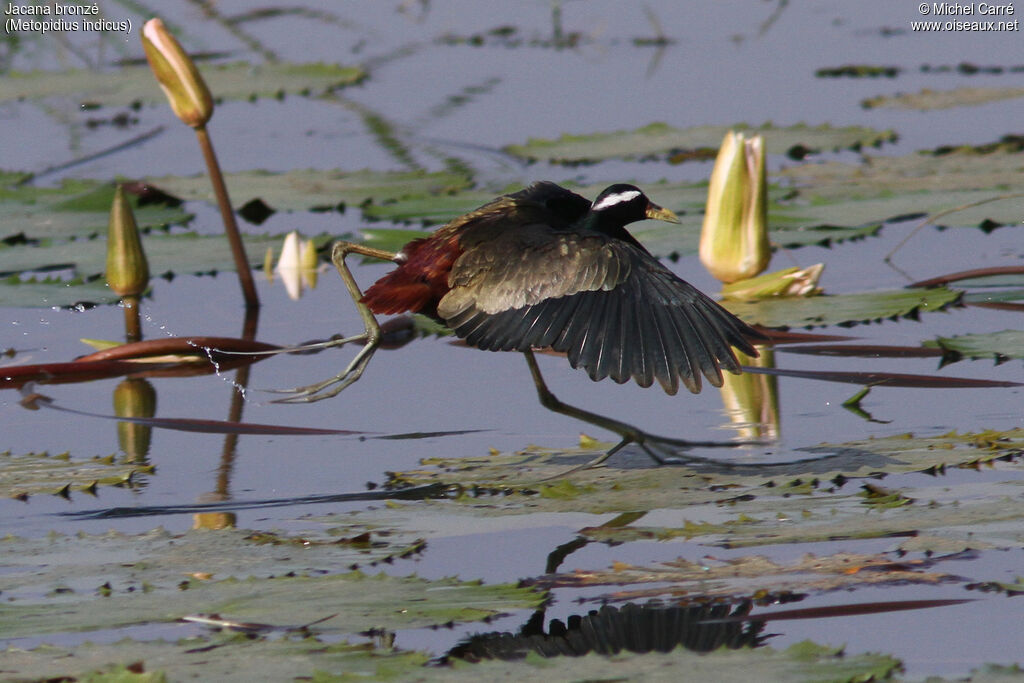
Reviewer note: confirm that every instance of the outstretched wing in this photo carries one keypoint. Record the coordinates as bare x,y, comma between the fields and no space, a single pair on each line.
611,308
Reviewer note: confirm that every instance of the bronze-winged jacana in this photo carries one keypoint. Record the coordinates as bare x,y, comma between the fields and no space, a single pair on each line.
546,268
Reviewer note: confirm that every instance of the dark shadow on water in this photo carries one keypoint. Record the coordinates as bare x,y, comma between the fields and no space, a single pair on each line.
652,627
412,493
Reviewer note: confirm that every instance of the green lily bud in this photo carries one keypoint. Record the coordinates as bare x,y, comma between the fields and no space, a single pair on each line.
751,400
177,75
127,269
134,398
734,239
786,282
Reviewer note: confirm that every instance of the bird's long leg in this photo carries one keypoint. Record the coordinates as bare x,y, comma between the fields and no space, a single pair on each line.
628,433
370,337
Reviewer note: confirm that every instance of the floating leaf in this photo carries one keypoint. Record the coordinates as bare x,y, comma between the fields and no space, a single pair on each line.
239,658
54,292
42,473
178,253
659,139
842,309
918,183
390,239
130,84
359,601
77,208
316,189
999,346
857,71
755,492
930,100
732,578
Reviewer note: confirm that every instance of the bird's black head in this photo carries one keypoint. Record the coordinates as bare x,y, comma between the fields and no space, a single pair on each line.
621,204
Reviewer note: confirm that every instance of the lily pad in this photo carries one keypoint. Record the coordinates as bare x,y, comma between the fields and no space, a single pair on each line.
731,578
77,208
54,292
630,483
130,84
42,473
1000,346
158,561
359,602
178,254
844,309
237,657
929,100
952,179
659,139
316,189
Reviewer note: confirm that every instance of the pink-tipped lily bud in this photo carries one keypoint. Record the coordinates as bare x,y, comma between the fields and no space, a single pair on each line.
177,75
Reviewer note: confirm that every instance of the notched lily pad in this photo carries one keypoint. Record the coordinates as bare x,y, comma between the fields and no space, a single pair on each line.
1000,346
237,657
55,292
316,189
238,81
657,140
928,99
77,208
41,473
359,602
178,253
844,309
735,577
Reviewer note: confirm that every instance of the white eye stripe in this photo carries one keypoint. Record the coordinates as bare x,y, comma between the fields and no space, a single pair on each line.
617,198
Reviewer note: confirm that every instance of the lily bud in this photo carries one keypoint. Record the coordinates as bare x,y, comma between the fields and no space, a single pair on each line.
752,400
297,265
734,239
134,398
786,282
127,268
177,75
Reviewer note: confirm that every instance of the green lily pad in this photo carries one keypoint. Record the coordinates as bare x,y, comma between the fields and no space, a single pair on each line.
1000,346
358,601
54,292
130,84
658,139
733,578
951,178
239,658
844,309
158,561
41,473
929,100
77,208
316,189
817,498
177,253
522,476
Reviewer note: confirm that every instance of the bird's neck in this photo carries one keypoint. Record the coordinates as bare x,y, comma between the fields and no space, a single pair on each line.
598,221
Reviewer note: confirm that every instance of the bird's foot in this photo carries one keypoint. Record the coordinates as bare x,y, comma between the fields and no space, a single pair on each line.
332,386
